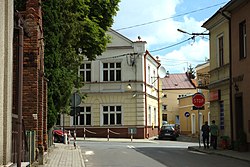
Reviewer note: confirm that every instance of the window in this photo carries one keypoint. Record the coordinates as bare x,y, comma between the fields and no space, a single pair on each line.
243,40
111,71
83,116
85,72
149,76
149,115
112,115
154,78
155,117
164,107
220,51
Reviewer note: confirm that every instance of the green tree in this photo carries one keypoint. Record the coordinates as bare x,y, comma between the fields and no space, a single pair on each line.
191,72
69,25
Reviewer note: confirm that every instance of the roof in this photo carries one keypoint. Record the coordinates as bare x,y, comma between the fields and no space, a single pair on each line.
177,81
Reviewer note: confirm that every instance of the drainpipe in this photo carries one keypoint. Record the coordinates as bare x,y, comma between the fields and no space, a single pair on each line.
20,90
230,76
158,100
145,89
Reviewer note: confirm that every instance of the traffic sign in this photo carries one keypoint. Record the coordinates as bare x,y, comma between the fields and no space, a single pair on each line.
198,100
187,114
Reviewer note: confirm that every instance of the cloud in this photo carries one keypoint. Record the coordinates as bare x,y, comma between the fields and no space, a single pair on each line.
163,33
192,53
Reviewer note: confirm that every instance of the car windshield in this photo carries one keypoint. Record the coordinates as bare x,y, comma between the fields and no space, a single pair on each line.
168,127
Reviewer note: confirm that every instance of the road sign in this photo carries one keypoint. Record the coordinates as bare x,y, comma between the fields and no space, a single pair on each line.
198,100
75,100
198,108
187,114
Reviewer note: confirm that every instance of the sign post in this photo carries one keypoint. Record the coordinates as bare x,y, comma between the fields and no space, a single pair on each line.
187,114
198,101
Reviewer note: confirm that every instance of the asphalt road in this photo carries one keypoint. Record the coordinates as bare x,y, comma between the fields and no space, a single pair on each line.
152,154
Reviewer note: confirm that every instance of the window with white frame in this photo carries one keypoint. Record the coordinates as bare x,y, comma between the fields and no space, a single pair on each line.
149,116
85,72
154,78
83,116
155,117
112,115
149,75
112,71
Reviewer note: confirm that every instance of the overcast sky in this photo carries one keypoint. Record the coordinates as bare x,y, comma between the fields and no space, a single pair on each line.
157,21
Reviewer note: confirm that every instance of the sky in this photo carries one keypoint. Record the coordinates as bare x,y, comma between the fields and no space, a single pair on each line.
157,21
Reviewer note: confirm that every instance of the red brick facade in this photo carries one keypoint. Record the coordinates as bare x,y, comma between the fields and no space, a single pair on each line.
34,83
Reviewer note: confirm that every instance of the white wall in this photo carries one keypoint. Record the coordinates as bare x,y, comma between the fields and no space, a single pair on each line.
6,36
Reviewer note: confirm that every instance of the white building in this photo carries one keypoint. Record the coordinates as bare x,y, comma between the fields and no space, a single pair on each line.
122,92
6,38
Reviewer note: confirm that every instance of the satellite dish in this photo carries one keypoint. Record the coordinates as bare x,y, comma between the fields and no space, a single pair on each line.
162,72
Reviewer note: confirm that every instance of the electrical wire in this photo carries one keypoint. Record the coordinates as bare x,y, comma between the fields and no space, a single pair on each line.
155,21
156,50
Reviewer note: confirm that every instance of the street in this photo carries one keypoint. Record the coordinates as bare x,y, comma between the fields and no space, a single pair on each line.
157,153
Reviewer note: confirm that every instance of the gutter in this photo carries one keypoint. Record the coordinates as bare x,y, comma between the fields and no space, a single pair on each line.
230,75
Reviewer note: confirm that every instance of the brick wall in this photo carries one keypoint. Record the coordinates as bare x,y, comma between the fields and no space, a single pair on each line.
34,83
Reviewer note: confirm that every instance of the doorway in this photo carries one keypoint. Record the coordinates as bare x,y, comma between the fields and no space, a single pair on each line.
239,113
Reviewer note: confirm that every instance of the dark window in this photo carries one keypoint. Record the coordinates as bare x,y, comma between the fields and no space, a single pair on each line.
105,75
221,51
85,72
243,40
105,119
83,116
111,71
112,115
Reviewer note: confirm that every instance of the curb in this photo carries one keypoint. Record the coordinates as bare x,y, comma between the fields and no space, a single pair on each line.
217,153
80,154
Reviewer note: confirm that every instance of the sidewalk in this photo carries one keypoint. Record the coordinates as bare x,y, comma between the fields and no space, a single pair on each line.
64,155
228,153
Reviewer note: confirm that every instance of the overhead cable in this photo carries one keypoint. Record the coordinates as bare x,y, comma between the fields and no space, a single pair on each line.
155,21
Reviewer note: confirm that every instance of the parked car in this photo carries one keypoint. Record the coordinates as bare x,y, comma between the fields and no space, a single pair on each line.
58,136
168,131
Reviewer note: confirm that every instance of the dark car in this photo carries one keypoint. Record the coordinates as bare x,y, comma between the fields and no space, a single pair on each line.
168,131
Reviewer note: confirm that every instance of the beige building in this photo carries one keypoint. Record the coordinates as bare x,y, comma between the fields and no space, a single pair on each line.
6,39
122,91
174,86
218,27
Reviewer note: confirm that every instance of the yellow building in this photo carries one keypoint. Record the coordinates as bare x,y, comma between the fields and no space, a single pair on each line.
173,87
191,119
219,86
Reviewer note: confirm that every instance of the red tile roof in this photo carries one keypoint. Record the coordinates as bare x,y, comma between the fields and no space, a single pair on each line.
177,81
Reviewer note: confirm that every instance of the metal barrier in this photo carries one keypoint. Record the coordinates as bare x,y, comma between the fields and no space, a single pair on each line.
108,133
31,143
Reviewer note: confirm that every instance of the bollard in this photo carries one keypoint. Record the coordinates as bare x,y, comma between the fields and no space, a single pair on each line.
108,135
84,133
69,135
75,139
65,138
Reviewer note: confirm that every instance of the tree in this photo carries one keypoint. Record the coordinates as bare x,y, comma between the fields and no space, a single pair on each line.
69,25
191,72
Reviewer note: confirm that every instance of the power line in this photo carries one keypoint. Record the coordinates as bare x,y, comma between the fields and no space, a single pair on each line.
156,50
155,21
